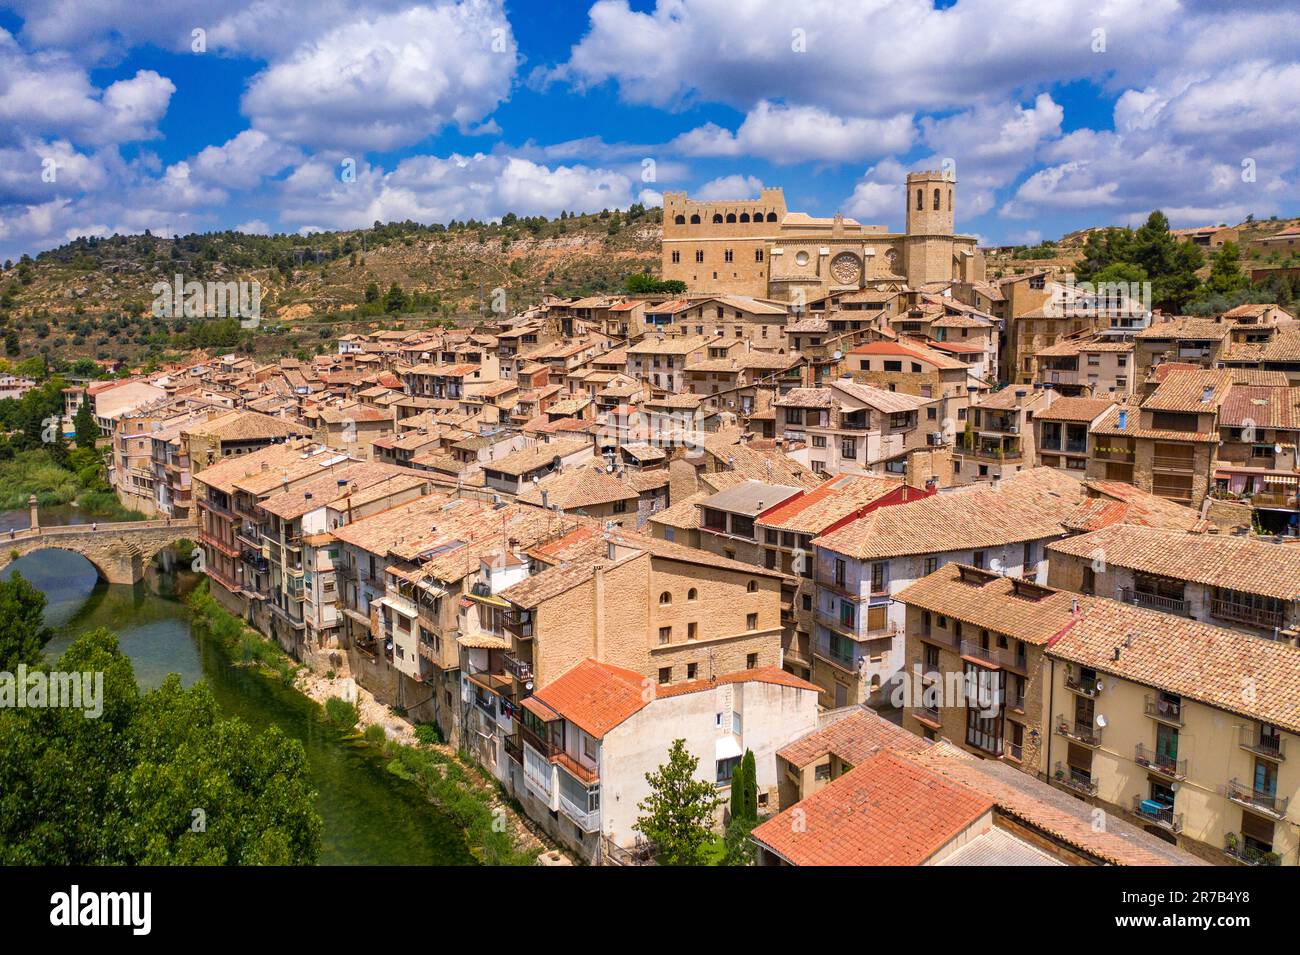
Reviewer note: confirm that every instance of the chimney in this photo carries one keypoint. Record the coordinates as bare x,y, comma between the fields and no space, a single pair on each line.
1020,396
545,496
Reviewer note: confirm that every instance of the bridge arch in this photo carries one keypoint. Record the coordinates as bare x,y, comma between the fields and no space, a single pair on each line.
118,552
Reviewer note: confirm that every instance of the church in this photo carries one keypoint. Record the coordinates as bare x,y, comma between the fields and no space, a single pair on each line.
758,248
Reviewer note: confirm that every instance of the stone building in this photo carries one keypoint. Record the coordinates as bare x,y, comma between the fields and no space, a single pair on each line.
757,247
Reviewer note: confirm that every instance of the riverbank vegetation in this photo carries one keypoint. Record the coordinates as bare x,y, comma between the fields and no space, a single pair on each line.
244,646
159,777
447,779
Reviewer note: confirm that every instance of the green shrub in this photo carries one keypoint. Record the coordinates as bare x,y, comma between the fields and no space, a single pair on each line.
341,713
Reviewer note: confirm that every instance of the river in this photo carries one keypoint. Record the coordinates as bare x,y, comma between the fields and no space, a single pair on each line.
371,817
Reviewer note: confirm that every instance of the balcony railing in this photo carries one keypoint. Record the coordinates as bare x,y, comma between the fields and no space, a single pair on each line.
519,669
1158,813
1075,779
1156,602
999,656
1270,747
1235,846
1266,802
1166,711
1240,613
588,820
1168,766
1081,686
1080,732
832,622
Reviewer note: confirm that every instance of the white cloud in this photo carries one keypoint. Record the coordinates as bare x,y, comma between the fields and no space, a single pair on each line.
47,94
435,189
790,134
729,187
254,227
388,82
243,161
879,195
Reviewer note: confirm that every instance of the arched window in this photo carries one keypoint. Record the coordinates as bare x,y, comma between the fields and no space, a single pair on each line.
665,599
744,217
936,200
691,594
752,586
920,199
731,217
771,217
695,220
717,217
950,200
680,220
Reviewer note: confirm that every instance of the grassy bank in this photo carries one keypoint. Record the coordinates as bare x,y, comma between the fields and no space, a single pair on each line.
81,482
244,645
450,781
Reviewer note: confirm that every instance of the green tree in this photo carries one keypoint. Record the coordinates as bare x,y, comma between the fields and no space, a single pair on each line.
158,778
372,292
84,422
738,850
1225,271
395,300
677,815
23,633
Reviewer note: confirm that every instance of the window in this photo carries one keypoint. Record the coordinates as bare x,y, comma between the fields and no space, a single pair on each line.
726,767
849,448
751,587
665,674
841,572
691,630
691,594
699,255
929,566
879,577
751,661
665,599
620,507
751,621
726,255
691,670
677,256
665,635
758,255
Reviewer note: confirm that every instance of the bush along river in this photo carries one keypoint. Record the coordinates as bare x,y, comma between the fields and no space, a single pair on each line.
372,813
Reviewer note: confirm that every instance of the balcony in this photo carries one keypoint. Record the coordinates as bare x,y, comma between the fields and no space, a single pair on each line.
1075,780
997,656
843,661
1088,687
1242,613
1270,747
928,713
1080,732
1164,711
1268,803
1159,813
1235,846
1156,602
832,622
521,670
588,820
1167,766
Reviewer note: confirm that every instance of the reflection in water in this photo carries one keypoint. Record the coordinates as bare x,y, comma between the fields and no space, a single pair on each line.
371,817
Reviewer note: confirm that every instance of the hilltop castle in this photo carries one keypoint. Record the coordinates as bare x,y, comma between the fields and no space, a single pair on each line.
758,247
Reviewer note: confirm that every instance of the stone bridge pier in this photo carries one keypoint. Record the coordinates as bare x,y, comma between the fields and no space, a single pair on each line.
119,552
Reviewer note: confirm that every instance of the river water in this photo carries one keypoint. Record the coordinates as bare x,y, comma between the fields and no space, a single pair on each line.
371,817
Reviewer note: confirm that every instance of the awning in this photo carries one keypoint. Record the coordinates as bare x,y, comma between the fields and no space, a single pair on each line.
489,600
539,709
727,747
1280,479
483,641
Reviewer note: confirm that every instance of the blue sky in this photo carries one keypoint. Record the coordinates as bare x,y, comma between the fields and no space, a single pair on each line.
1057,114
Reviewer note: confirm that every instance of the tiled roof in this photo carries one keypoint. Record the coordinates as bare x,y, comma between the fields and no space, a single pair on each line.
886,811
984,599
1226,669
1029,505
1186,328
1199,391
1083,410
582,486
1215,560
854,739
1264,407
537,456
814,511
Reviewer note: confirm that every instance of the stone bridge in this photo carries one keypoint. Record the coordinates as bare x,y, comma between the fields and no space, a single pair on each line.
119,551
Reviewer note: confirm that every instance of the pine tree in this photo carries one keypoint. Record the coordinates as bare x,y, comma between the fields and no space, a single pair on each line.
84,422
677,816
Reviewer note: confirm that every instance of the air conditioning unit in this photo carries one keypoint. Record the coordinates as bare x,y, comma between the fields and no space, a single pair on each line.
934,439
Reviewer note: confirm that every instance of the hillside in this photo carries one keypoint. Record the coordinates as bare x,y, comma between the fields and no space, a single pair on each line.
93,297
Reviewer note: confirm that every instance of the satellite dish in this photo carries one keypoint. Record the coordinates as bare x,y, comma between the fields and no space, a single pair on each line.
838,354
1174,787
1101,721
529,686
1100,686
